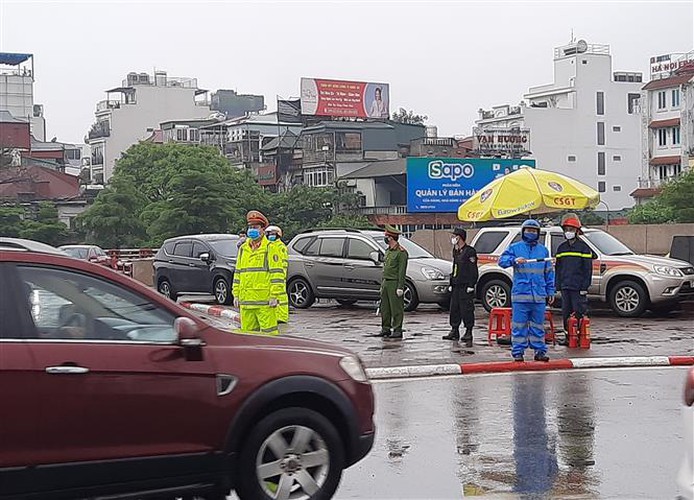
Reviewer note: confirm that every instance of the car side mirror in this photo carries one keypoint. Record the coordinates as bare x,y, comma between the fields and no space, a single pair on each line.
187,336
206,257
377,257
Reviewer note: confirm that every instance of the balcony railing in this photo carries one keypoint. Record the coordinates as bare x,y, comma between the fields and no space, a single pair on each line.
98,130
107,104
389,210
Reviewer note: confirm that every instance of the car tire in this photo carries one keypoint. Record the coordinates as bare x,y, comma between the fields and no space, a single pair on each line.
221,291
410,297
495,293
165,288
267,454
301,295
628,299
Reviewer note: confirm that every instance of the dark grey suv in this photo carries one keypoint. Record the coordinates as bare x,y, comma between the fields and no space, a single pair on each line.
201,263
346,265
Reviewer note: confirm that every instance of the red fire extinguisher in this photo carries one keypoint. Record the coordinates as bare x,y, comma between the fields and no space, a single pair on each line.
573,331
585,332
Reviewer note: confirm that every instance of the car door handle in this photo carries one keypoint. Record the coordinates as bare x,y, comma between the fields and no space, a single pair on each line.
349,266
66,370
308,264
171,262
190,264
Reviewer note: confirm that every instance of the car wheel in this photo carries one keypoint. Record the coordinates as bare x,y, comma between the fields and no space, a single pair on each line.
164,287
628,299
346,302
220,288
410,297
292,453
300,294
496,293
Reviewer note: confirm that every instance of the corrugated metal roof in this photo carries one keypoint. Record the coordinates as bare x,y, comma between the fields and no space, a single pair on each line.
665,160
664,123
382,168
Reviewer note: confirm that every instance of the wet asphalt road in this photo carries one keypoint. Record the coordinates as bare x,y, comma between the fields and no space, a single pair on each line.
573,434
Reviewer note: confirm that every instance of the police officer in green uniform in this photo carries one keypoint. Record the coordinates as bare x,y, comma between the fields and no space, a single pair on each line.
393,286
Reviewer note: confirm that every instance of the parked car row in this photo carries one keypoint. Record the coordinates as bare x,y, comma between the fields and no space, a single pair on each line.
628,282
114,391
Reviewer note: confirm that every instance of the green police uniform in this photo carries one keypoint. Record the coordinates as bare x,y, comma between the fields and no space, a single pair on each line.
392,306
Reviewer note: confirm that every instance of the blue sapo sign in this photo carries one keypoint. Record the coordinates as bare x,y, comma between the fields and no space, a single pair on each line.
443,184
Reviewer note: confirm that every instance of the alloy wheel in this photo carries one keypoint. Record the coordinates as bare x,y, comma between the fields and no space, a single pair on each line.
496,296
165,289
627,299
293,463
299,293
221,291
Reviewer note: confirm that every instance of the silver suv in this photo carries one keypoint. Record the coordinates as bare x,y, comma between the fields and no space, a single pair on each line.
347,265
630,283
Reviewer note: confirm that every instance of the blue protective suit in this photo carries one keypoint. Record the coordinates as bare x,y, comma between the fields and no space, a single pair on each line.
533,283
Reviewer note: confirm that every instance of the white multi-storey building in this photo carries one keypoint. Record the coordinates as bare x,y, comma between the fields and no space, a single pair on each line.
586,124
667,130
17,91
140,104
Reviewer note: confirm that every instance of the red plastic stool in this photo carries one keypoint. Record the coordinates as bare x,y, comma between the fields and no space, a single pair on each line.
550,336
499,323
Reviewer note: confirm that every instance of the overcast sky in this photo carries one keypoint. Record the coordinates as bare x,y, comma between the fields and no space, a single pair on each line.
442,59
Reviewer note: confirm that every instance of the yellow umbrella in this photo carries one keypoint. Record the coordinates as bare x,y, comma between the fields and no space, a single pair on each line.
527,190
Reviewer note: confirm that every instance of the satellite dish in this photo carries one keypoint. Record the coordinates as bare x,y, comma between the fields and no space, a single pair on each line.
581,46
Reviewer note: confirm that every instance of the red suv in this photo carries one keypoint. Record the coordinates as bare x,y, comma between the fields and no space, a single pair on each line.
108,389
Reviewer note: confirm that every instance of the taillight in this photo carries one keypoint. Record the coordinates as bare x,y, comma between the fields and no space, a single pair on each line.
689,388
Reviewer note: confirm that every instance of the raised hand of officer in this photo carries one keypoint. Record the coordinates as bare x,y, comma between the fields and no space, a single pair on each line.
520,260
399,292
273,302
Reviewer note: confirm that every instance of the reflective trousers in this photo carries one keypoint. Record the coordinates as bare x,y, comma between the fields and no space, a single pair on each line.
262,320
528,327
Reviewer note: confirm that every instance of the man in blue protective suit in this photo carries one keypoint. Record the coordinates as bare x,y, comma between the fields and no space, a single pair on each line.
533,288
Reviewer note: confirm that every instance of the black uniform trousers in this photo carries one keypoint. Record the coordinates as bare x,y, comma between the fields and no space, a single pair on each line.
572,302
462,308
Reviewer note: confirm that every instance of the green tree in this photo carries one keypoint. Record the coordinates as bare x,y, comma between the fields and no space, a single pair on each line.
46,227
677,196
654,211
409,117
113,221
11,223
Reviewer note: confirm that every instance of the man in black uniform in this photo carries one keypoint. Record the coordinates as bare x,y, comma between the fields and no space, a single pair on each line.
574,271
462,287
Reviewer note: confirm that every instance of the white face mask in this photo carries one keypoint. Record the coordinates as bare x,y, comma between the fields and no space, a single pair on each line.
454,240
570,235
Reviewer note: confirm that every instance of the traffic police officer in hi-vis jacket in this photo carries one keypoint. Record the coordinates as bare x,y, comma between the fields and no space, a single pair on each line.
574,271
533,288
274,235
393,286
462,287
258,279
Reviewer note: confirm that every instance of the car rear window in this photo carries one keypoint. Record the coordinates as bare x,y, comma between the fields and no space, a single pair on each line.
489,241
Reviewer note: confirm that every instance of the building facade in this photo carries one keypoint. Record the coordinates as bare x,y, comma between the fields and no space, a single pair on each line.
17,91
667,131
131,112
586,124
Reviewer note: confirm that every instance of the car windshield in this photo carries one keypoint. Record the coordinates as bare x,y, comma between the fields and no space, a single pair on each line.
225,247
607,244
414,251
76,252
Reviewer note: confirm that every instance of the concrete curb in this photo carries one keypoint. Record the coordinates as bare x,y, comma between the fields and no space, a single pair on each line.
529,366
218,311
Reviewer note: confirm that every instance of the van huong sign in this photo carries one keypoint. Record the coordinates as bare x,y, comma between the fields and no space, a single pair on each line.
494,141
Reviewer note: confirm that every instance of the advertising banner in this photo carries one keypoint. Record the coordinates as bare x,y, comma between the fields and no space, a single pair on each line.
443,184
344,99
493,141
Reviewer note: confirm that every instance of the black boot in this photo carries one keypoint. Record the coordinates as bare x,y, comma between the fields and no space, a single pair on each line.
383,333
396,335
453,335
467,338
539,356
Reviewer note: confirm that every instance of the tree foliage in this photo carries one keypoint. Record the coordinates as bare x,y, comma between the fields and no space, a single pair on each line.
41,224
674,204
408,116
161,191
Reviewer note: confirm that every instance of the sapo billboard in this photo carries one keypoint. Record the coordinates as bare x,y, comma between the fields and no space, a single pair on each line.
443,184
344,99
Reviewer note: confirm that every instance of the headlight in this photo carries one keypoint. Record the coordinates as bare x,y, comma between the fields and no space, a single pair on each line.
668,271
352,367
432,274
